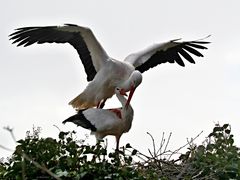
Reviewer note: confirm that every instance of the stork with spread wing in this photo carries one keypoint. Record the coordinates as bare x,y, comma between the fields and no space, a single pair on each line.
103,72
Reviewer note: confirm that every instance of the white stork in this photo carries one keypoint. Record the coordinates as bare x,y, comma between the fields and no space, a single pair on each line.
104,122
104,72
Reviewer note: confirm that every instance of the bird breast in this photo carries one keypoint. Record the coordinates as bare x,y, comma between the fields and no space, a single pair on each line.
113,74
117,71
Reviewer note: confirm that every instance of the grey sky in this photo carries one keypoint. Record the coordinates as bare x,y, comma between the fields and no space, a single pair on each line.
38,82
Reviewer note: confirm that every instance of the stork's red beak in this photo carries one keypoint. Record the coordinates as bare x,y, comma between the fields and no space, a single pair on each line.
132,89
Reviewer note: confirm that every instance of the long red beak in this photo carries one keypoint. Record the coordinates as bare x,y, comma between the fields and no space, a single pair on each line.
130,95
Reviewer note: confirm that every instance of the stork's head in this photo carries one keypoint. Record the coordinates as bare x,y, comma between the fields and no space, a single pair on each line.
131,84
136,78
120,91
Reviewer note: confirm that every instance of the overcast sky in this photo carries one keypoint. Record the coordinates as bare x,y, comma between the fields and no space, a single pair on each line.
37,82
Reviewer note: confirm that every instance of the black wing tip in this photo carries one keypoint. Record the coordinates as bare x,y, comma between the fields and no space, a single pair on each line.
70,119
10,35
14,34
27,36
65,121
202,40
80,120
174,40
69,24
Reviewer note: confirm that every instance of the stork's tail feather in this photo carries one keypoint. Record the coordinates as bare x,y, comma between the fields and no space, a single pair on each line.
72,119
80,102
80,120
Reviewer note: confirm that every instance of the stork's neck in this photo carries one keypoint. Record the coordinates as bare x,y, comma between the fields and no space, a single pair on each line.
122,99
127,112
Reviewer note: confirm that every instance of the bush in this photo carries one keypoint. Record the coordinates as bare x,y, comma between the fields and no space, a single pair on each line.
66,158
69,158
218,158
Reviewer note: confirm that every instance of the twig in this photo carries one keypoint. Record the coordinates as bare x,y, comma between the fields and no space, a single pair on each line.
179,176
154,147
5,148
11,132
25,156
153,157
161,144
23,168
139,154
14,139
57,127
169,137
177,150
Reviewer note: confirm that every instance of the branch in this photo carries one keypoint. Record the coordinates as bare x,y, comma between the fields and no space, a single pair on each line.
188,143
25,156
5,148
154,147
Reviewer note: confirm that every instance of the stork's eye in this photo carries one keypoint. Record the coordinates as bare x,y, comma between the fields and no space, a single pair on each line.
118,89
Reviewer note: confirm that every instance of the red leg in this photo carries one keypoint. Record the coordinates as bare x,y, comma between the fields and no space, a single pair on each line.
101,104
117,142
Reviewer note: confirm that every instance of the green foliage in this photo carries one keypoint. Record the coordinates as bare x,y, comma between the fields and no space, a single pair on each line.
218,158
69,158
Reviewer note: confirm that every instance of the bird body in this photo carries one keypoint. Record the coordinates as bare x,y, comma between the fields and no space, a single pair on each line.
104,72
104,122
114,73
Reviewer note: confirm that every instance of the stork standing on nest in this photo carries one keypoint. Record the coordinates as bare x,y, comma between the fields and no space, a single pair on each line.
104,72
104,122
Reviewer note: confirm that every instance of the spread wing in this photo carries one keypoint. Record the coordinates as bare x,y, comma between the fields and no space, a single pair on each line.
90,51
166,52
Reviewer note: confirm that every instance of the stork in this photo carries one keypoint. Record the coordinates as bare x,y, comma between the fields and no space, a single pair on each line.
103,72
104,122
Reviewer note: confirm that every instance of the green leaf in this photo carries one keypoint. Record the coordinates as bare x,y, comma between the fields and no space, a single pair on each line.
128,145
62,135
21,141
134,152
225,126
227,131
217,129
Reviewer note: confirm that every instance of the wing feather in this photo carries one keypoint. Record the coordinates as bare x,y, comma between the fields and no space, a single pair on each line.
166,52
90,51
193,51
186,56
197,46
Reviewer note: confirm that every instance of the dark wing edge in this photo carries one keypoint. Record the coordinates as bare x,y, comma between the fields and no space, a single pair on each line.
176,53
27,36
80,120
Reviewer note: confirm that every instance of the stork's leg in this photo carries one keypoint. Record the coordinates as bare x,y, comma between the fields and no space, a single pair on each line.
117,142
101,104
